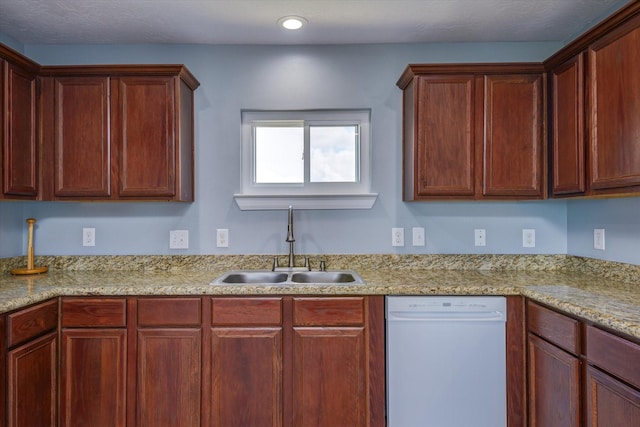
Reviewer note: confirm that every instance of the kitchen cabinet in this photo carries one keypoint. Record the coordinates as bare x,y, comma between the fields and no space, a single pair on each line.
333,379
247,361
312,360
118,132
613,108
474,131
612,379
18,125
568,136
554,368
32,345
580,374
93,340
168,381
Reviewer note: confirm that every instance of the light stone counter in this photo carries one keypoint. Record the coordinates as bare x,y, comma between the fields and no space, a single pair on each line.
605,293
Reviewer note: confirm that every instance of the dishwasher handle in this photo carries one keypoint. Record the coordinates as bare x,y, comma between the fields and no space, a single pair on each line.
448,316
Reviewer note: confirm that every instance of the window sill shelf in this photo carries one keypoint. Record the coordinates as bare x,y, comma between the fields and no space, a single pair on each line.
252,202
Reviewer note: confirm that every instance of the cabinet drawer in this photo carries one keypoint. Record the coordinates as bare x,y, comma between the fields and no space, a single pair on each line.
328,311
93,312
559,329
169,312
246,311
613,354
31,322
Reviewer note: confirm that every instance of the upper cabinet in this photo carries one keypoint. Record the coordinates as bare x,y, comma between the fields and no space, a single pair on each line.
614,108
595,93
18,126
474,131
118,133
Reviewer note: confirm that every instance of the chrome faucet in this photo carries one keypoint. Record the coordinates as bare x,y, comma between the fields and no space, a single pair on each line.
291,239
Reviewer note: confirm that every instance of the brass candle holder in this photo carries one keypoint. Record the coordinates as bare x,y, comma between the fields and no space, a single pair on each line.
30,269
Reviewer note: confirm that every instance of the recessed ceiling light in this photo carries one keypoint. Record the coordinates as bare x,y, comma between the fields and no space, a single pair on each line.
292,22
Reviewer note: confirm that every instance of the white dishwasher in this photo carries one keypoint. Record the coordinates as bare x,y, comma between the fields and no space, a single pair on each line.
446,361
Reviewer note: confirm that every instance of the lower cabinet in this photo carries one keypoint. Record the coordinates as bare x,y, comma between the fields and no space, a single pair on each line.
32,345
554,368
168,362
93,352
313,361
580,374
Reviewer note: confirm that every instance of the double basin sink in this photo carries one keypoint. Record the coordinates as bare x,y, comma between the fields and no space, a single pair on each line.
260,277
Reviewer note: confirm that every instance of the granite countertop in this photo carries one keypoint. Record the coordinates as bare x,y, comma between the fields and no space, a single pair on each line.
608,301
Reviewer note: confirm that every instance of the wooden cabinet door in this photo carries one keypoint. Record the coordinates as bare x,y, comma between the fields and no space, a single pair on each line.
145,130
554,386
329,376
610,402
444,152
514,136
614,108
168,361
169,380
81,161
337,374
93,377
246,377
19,152
32,383
246,362
568,114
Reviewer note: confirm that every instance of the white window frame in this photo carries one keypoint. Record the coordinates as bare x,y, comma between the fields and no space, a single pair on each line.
331,195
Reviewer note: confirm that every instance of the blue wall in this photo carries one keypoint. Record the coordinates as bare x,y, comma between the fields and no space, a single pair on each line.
292,77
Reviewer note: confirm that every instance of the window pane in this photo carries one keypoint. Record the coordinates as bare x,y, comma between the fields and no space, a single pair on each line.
279,155
333,153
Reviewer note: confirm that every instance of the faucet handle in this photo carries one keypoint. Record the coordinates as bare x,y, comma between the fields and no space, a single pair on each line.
323,267
275,263
307,264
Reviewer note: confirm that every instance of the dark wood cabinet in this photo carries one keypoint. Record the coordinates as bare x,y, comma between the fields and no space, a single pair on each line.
329,362
312,360
247,361
93,341
554,368
118,132
474,131
514,155
167,362
31,376
614,105
611,402
568,136
18,125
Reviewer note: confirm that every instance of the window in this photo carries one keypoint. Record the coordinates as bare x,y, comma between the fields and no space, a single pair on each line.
307,159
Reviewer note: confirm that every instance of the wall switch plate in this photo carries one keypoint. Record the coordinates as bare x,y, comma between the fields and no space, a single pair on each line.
528,238
397,237
222,238
89,236
179,239
480,237
418,236
598,238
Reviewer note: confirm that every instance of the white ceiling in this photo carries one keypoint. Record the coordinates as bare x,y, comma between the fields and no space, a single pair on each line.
330,21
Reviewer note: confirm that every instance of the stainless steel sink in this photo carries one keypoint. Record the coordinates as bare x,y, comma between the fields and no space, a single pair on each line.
254,277
261,277
323,277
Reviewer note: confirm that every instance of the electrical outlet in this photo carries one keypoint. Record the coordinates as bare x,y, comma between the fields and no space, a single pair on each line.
397,237
89,236
528,238
179,239
222,238
598,238
418,236
480,237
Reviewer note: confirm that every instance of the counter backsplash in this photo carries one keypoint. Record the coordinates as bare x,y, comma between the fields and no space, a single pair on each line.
607,269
